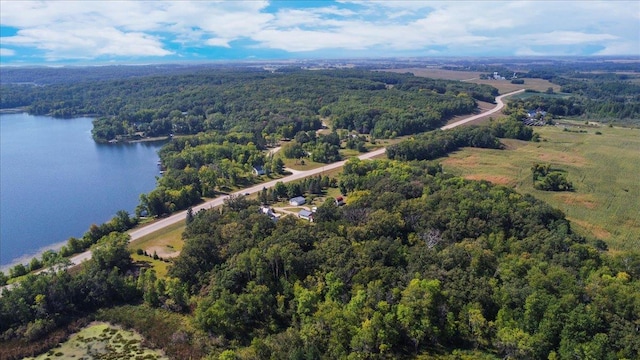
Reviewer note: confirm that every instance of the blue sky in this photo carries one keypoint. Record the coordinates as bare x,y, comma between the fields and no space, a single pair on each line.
85,32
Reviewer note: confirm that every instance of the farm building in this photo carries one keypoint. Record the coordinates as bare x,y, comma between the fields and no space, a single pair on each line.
297,201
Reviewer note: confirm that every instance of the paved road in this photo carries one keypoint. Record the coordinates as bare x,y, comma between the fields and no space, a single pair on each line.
498,107
297,175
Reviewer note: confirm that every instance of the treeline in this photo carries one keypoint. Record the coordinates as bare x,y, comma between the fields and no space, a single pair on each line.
625,109
121,222
554,105
603,96
251,100
417,262
388,118
44,75
436,144
319,147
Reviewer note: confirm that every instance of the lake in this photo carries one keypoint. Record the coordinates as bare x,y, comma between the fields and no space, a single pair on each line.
55,181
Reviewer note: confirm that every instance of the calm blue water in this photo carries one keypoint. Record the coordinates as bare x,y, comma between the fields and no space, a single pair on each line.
55,181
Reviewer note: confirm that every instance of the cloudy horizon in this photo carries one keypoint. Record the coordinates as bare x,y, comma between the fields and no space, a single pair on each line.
62,32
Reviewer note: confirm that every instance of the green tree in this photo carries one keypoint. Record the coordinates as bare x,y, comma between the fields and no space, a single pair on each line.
112,252
415,310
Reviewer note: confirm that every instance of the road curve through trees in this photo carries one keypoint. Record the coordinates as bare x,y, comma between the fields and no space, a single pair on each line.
175,218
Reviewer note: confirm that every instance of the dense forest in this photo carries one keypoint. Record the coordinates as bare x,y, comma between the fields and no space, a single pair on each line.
417,262
253,100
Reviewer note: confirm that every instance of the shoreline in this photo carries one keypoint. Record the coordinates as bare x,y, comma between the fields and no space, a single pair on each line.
17,110
26,258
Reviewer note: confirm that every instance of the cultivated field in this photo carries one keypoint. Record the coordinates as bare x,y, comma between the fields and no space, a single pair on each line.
603,168
504,86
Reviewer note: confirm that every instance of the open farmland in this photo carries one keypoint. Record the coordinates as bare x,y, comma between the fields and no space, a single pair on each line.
504,86
604,169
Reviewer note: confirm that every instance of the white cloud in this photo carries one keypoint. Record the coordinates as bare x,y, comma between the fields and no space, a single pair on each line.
91,29
7,52
526,51
617,48
64,43
218,42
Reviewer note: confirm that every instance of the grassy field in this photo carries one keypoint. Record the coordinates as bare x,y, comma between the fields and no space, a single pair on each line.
605,170
166,243
102,341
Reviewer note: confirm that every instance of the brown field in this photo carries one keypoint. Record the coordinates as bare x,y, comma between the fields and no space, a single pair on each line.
594,229
503,86
602,168
496,179
439,73
583,200
166,243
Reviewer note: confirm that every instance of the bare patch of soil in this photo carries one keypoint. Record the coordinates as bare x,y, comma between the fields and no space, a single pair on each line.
496,179
577,199
163,252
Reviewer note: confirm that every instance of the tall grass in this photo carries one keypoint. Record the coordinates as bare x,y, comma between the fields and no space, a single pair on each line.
162,329
605,169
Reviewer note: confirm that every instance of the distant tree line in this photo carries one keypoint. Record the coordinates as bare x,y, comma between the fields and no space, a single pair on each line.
604,96
249,100
436,144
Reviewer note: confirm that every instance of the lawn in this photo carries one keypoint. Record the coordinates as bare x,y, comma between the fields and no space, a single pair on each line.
603,168
166,243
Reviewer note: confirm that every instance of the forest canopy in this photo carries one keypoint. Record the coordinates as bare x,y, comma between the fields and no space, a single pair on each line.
417,262
253,100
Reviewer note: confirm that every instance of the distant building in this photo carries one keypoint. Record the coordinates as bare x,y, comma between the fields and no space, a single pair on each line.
339,201
497,76
297,201
306,215
535,117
